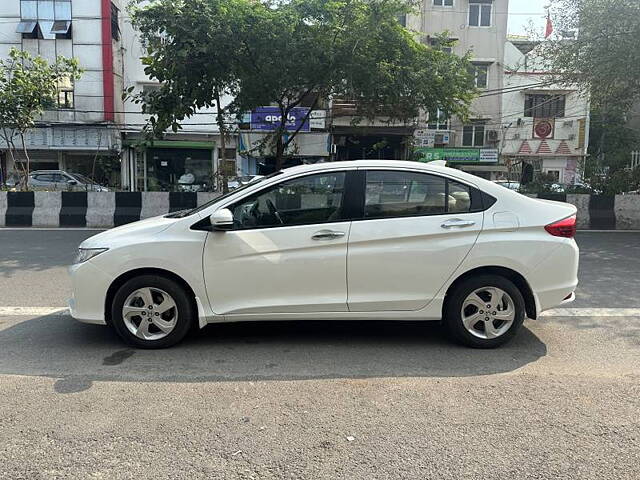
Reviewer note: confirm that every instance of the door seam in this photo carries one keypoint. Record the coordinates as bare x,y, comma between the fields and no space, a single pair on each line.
346,270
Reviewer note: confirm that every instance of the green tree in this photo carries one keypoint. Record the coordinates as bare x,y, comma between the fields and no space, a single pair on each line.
612,140
596,46
283,52
192,51
28,86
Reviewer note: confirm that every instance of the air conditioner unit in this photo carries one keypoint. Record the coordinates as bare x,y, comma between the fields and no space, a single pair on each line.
516,136
572,136
567,123
441,139
492,135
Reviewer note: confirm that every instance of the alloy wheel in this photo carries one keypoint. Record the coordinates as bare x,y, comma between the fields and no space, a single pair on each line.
488,312
150,313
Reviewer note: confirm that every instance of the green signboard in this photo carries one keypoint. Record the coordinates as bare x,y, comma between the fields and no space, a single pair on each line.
457,155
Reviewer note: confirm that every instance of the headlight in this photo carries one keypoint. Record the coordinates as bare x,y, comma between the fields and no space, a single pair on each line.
85,254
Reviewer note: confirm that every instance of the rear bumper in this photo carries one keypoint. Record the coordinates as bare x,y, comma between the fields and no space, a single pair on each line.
553,298
554,281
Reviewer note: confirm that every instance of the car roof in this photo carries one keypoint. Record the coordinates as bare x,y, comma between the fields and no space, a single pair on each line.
429,167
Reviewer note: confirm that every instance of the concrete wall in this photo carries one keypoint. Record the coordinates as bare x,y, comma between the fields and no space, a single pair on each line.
91,209
109,209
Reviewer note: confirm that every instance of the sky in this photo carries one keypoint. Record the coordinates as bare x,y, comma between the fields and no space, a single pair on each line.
524,12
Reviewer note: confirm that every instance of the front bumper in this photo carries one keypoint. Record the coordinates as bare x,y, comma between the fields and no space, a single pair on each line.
90,286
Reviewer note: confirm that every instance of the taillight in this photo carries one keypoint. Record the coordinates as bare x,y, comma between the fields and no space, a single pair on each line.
563,228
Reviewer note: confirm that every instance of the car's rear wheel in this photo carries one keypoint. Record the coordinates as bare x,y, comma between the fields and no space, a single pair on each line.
151,311
484,311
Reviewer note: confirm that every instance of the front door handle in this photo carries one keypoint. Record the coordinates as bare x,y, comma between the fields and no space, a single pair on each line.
327,235
458,223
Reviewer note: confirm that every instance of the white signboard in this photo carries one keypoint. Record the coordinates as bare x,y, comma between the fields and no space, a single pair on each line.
424,137
489,155
317,118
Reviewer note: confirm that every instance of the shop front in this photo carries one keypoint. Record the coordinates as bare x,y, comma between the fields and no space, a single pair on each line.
171,166
371,143
92,151
256,151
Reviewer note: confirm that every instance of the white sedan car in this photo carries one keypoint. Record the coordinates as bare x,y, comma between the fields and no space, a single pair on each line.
361,240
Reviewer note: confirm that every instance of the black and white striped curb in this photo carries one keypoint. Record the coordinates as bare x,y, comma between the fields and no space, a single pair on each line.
109,209
91,209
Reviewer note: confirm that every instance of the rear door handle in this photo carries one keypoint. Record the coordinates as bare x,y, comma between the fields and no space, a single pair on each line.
458,223
327,235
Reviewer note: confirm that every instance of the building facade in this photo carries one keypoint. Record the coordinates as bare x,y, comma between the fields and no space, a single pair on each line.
81,133
92,130
189,160
95,132
477,27
545,126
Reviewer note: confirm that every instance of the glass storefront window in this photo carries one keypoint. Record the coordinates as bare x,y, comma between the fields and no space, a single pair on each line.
179,170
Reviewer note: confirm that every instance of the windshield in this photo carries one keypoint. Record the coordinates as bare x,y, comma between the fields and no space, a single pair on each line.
226,195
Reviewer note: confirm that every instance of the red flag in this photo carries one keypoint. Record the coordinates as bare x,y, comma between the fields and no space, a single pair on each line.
549,29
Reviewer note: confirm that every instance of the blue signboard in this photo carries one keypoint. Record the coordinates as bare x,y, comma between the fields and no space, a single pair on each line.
268,118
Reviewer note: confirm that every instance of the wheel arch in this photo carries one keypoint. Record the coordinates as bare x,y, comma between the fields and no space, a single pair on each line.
508,273
125,277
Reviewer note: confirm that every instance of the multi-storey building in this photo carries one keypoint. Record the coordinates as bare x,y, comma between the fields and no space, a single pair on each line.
92,130
545,125
477,27
81,133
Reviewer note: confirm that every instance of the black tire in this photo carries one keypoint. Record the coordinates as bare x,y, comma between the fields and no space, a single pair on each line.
184,308
453,311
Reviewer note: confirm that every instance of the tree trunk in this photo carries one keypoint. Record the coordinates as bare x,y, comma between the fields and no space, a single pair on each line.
602,143
28,163
279,151
281,145
223,141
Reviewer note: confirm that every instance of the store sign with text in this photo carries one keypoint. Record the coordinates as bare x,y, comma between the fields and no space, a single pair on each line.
269,118
458,155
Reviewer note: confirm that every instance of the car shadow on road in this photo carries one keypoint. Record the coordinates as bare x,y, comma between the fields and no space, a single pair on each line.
78,354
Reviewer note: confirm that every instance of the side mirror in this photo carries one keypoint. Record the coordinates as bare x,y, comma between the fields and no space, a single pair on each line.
221,220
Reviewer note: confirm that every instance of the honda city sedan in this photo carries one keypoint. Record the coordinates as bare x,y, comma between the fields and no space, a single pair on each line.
360,240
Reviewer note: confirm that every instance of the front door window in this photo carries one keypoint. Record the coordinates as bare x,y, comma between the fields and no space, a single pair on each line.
303,201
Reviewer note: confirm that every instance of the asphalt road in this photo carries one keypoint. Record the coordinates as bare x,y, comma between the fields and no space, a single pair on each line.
319,400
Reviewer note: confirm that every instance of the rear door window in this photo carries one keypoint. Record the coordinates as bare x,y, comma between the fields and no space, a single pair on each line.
403,194
391,193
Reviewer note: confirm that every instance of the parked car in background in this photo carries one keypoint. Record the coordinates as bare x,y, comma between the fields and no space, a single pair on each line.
357,240
63,181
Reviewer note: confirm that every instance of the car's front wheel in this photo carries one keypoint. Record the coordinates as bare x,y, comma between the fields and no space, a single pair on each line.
151,311
484,311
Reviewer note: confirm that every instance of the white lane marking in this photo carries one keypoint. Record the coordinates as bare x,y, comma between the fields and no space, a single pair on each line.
32,311
556,312
592,312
